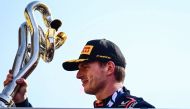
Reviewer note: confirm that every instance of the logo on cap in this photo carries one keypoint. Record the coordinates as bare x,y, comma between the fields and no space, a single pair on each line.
87,49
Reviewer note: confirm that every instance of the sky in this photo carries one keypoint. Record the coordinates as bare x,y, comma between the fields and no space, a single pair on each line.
153,35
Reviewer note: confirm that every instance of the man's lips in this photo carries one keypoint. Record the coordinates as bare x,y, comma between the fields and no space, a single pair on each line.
84,82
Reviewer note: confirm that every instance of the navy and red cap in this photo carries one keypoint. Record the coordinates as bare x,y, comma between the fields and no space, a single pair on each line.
97,50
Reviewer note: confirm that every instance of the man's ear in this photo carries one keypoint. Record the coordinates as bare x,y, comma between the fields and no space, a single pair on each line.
110,67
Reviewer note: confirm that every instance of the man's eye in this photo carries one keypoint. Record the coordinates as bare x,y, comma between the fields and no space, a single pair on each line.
85,67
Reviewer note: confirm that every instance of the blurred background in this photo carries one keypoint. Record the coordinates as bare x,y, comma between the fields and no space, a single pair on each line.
153,35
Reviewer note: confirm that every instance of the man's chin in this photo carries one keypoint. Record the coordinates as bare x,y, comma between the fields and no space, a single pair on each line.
90,92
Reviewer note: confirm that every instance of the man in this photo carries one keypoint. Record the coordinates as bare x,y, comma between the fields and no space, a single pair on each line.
101,68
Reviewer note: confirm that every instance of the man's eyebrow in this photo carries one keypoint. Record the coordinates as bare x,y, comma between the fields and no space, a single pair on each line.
82,64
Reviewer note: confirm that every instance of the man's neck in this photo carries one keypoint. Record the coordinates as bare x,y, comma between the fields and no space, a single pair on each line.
108,90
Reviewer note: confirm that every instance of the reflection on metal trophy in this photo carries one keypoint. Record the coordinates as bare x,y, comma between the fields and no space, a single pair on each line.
40,45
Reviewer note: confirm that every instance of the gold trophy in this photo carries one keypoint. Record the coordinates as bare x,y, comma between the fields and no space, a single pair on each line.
41,45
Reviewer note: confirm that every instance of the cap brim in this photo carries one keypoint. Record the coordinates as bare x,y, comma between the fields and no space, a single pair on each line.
72,65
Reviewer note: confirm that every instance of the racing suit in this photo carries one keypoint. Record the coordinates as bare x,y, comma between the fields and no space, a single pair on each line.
122,99
25,103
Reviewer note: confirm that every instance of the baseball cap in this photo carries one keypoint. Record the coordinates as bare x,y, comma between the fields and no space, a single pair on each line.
101,50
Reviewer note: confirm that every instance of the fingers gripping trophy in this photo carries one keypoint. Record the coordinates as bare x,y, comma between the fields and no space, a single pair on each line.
41,45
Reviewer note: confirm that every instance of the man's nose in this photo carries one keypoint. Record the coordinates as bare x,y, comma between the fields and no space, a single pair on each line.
79,75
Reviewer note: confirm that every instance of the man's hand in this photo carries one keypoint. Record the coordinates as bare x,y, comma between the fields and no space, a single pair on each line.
21,94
